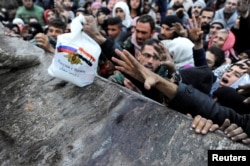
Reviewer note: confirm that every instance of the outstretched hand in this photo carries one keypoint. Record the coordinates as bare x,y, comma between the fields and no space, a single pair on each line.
202,125
129,65
179,29
245,90
90,27
194,30
166,59
234,132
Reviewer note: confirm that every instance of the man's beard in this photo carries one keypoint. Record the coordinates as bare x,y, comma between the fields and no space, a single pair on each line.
229,11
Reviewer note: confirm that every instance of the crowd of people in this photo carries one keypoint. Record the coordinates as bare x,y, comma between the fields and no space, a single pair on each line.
190,55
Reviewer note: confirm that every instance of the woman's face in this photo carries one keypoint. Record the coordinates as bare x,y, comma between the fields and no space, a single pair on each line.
50,16
134,4
119,12
210,58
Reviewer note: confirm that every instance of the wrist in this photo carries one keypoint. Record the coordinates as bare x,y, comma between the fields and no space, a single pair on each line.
99,38
198,45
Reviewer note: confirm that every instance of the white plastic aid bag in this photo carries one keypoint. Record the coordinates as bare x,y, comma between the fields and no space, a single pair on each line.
76,56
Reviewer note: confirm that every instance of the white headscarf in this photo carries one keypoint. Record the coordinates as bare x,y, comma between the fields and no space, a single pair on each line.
181,49
124,6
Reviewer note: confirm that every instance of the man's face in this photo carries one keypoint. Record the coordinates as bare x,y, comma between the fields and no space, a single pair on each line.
196,10
243,6
11,13
54,31
230,6
149,58
206,17
166,32
178,2
67,3
231,76
114,31
146,7
214,28
220,39
28,4
142,32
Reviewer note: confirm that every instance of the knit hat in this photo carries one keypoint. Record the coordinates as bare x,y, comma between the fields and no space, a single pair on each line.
104,10
219,21
200,3
169,20
81,9
96,5
18,21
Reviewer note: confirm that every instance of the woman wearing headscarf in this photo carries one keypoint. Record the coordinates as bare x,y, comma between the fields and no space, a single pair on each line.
121,9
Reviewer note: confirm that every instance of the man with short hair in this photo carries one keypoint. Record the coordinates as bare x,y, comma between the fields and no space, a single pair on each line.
114,30
169,30
48,41
184,98
144,29
228,13
242,26
151,55
206,16
30,10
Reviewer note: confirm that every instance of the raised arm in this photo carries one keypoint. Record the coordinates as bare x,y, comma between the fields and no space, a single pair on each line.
183,98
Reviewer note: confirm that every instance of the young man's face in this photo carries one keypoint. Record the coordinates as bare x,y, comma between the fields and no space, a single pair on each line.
142,32
166,32
206,17
28,3
149,58
146,7
242,6
114,31
214,28
54,31
231,76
